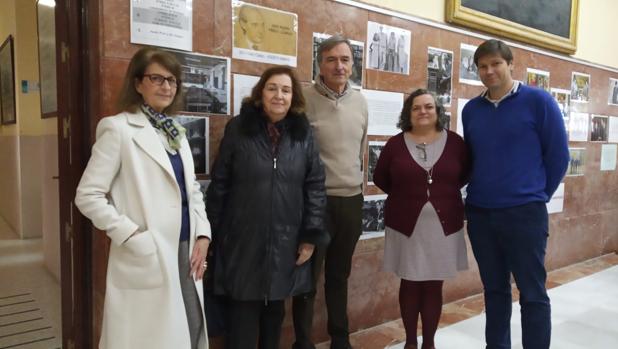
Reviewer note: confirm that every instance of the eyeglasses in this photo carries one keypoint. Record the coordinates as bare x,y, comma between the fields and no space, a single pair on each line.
422,151
160,79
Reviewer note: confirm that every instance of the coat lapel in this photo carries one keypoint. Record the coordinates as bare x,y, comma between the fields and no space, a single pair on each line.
148,140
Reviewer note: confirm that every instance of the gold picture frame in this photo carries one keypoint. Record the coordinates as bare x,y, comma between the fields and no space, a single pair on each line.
469,17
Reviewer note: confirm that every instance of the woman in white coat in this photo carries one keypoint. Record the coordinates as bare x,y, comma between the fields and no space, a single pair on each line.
140,188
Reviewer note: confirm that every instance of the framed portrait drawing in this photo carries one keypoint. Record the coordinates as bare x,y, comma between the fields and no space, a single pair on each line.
46,26
7,82
550,24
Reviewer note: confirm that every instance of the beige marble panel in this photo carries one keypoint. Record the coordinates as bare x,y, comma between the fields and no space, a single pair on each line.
10,190
50,205
31,157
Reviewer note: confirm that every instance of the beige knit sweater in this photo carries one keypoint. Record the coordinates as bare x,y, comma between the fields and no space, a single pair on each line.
340,128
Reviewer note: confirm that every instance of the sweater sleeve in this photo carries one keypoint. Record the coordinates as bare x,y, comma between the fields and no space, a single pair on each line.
554,145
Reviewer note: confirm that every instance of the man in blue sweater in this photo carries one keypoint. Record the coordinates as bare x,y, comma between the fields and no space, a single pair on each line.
520,154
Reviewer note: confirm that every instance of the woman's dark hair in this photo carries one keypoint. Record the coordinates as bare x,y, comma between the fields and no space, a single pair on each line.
491,47
129,99
404,119
298,101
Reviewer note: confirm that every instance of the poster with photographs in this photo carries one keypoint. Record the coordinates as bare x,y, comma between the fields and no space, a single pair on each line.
374,150
578,127
439,74
262,34
468,73
197,136
166,23
205,83
599,128
608,157
580,87
358,47
373,216
563,98
537,78
613,129
388,48
612,98
577,162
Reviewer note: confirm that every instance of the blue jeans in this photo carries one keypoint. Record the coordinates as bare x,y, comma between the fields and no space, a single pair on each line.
512,240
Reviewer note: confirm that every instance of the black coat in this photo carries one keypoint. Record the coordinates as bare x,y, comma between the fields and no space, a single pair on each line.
262,206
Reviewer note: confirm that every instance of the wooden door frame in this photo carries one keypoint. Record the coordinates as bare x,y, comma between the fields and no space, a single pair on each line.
77,60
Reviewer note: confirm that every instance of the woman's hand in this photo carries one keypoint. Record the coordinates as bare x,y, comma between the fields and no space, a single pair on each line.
198,258
305,250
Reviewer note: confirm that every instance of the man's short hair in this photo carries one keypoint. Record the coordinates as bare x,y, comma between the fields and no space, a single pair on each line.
330,43
491,47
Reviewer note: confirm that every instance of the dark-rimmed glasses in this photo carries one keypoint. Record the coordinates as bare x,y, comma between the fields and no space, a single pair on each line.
158,79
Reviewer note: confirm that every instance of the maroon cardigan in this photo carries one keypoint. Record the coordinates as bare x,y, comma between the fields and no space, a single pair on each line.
405,182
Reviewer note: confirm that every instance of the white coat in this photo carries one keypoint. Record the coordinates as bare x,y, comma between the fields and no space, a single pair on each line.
129,185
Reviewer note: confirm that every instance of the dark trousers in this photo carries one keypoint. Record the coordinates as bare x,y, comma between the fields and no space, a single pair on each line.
505,241
254,322
343,222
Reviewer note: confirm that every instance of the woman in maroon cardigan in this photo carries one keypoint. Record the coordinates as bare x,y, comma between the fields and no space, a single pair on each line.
423,169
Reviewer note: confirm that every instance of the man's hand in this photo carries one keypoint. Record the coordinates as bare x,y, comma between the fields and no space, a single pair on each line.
305,251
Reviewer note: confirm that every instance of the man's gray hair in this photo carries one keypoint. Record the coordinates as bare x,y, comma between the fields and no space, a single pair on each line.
332,42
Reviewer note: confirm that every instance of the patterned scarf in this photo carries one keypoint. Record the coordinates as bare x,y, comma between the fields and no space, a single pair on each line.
170,127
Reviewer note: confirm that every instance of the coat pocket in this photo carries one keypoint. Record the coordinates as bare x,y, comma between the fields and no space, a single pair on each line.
135,264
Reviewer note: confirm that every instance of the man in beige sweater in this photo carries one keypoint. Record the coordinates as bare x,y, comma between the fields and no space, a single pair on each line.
338,115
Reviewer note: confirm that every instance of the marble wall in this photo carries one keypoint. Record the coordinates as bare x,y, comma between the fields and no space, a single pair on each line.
586,228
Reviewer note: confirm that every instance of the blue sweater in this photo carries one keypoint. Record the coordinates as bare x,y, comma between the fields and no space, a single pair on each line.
519,149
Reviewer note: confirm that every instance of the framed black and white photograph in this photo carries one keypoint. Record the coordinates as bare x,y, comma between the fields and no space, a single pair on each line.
373,216
580,87
599,128
439,74
197,136
358,47
373,151
388,48
205,82
7,82
468,73
612,97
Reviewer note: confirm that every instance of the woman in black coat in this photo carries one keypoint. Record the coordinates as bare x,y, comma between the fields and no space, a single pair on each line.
266,204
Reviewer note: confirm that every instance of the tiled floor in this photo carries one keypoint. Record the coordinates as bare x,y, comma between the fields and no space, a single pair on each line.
29,295
584,300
